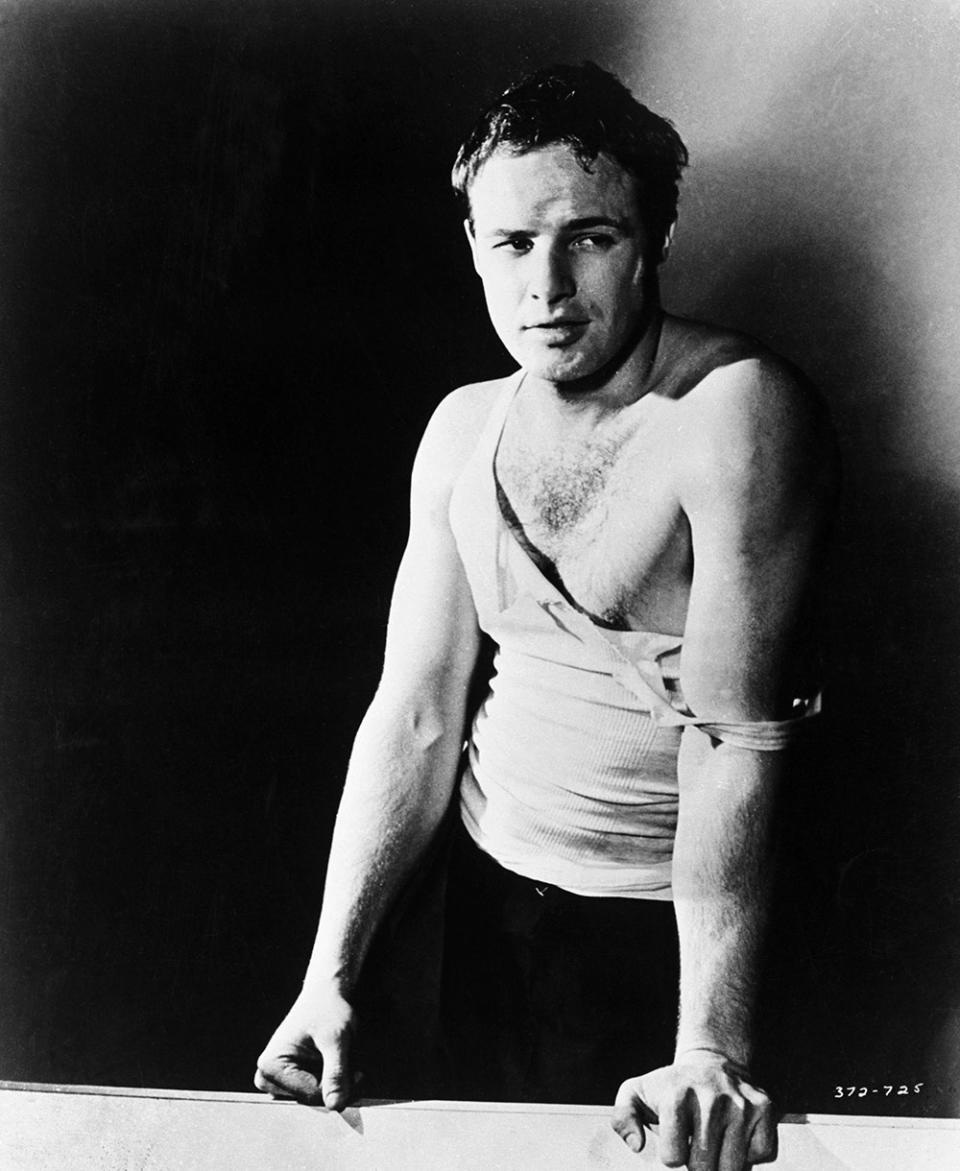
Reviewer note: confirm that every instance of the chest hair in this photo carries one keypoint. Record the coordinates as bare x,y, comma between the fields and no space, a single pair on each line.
561,497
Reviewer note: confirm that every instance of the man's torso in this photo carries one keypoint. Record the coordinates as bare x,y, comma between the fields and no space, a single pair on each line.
571,769
597,505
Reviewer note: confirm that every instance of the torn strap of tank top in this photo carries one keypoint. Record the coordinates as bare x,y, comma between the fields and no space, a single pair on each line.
644,679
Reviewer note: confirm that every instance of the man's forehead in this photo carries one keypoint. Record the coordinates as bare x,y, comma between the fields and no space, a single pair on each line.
549,184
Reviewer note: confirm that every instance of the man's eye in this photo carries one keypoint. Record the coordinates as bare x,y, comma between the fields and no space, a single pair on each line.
596,242
514,244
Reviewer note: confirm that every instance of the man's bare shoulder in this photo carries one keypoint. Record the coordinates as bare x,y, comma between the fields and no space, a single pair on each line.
760,391
757,423
452,433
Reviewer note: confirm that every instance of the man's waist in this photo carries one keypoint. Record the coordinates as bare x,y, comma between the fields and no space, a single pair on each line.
583,848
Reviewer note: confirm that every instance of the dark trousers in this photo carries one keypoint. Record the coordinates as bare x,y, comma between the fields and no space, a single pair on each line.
549,996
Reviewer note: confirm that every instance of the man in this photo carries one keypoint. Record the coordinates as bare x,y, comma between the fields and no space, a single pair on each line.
632,518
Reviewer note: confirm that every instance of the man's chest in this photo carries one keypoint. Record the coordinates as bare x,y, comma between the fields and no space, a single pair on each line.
601,516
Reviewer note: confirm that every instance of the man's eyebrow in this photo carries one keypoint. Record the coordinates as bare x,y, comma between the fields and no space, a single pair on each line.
583,224
599,221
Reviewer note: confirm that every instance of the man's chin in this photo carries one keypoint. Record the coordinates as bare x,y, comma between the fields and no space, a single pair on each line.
556,366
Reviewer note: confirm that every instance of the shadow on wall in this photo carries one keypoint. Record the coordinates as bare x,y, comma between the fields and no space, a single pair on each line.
867,973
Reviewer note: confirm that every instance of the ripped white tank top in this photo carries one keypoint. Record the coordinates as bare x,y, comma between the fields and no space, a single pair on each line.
570,774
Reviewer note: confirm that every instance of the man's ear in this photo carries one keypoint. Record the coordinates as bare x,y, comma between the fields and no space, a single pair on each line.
667,241
472,241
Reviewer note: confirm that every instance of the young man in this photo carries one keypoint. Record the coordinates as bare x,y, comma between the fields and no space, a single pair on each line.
632,519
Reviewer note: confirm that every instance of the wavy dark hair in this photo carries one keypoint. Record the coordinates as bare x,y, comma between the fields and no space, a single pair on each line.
589,110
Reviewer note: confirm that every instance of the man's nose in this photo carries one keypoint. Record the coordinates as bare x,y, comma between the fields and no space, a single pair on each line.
552,279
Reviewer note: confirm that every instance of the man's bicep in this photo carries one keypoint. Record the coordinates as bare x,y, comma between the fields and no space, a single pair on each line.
757,524
432,634
742,626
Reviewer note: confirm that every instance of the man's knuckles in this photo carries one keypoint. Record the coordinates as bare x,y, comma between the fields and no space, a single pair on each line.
737,1108
760,1103
673,1101
629,1090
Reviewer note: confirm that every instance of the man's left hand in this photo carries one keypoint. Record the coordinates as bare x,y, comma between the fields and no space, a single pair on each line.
711,1117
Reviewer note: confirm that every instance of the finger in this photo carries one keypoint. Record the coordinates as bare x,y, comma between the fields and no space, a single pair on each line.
734,1136
763,1144
631,1113
267,1087
283,1078
676,1130
336,1083
705,1131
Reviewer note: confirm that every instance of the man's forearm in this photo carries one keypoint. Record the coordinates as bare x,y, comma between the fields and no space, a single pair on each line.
719,945
723,860
401,776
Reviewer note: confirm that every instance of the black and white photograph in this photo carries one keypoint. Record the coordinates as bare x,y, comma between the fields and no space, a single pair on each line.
479,584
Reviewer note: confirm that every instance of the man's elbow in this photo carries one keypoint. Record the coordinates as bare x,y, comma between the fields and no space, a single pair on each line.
423,716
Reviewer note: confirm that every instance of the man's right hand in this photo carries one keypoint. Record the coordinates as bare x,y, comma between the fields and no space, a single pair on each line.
308,1057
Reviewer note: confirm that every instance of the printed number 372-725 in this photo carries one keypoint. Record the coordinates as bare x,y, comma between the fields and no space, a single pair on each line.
886,1091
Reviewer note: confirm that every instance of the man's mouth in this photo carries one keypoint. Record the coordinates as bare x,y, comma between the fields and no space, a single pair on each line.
554,322
560,329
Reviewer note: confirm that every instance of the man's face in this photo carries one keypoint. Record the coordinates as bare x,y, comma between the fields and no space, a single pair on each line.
562,256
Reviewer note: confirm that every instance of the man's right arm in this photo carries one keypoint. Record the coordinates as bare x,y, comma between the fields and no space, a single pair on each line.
400,779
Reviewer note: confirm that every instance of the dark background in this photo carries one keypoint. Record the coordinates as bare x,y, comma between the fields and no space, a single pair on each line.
233,286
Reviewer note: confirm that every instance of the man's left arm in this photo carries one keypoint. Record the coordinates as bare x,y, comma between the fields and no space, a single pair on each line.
756,487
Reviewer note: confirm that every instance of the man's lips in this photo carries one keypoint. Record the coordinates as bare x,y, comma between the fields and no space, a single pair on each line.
560,333
563,331
558,323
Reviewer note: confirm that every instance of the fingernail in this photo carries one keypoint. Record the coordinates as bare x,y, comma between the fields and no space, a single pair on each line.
634,1143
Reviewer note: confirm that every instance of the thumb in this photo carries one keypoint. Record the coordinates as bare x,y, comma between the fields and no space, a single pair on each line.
631,1113
336,1081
